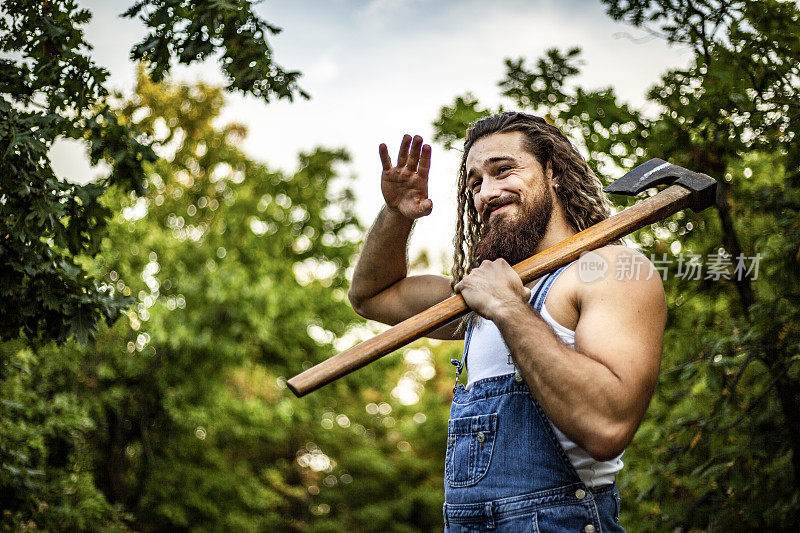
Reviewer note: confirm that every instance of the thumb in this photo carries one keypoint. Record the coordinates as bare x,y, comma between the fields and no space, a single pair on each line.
426,207
527,293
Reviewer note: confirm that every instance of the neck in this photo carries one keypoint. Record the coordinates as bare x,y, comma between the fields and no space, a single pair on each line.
557,230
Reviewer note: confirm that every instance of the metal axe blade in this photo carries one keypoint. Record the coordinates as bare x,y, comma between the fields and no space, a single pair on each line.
657,172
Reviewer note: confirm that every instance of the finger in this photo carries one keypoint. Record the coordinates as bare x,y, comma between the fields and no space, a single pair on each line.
402,156
386,161
425,161
527,294
413,156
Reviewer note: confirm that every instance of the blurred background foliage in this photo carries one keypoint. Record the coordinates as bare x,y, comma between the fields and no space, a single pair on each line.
229,277
178,415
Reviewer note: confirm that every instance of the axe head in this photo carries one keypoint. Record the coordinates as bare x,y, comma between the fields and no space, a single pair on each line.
658,172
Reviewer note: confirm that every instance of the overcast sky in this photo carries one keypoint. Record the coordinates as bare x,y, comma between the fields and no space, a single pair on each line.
377,69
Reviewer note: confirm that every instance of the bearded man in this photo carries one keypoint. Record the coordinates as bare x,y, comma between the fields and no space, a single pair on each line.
554,392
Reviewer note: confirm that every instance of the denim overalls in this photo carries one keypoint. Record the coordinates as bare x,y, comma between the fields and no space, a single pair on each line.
505,470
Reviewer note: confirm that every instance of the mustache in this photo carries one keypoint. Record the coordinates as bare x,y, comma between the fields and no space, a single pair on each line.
496,203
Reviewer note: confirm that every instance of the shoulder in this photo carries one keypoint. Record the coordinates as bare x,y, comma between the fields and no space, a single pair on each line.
618,250
618,275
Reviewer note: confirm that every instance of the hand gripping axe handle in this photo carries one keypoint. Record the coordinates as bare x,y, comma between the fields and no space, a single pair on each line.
687,189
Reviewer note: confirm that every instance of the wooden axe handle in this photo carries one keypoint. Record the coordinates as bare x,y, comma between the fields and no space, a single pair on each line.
658,207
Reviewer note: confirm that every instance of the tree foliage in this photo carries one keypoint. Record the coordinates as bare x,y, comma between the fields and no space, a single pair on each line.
177,416
50,88
191,30
720,446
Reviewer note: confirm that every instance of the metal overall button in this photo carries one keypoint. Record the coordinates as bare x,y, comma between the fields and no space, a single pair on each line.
580,494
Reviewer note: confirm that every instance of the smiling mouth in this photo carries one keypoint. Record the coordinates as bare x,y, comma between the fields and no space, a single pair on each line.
499,209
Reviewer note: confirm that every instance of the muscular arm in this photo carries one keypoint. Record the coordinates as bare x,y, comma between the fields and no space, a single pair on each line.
597,393
381,289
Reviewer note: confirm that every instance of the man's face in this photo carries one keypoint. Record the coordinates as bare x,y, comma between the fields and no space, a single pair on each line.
511,194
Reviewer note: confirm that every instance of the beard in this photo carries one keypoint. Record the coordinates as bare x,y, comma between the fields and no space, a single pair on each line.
515,238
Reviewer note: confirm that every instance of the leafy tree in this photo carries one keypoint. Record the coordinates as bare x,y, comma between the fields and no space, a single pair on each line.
51,88
178,416
720,446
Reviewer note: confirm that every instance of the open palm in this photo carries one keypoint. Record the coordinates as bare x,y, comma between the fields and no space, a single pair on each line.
405,186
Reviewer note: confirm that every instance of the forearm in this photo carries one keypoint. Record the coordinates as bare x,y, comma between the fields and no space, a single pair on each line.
383,260
579,394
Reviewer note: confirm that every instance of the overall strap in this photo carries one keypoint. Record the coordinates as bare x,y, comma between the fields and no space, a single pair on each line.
544,289
459,363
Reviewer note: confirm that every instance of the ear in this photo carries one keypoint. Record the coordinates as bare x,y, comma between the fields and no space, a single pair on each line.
548,173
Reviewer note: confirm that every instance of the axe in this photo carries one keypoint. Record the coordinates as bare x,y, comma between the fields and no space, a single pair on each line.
687,189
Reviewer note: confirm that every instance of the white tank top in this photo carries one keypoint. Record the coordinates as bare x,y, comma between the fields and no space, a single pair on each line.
488,356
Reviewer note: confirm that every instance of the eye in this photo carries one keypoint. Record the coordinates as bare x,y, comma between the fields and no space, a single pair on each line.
504,168
475,185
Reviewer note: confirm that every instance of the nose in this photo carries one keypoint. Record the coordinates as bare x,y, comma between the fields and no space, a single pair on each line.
488,192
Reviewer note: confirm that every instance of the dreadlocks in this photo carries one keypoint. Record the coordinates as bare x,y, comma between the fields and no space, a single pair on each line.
579,189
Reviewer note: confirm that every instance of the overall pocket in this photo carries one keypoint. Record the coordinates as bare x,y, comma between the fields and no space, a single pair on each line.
470,441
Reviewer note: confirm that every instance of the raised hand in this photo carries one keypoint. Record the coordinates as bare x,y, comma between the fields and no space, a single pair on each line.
405,186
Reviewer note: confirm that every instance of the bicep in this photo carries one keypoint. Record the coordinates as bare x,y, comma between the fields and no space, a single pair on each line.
408,297
621,325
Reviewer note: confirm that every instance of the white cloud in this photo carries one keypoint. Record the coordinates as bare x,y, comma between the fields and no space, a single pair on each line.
325,69
381,11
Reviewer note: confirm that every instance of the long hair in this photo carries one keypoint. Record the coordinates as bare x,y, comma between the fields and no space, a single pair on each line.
579,190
